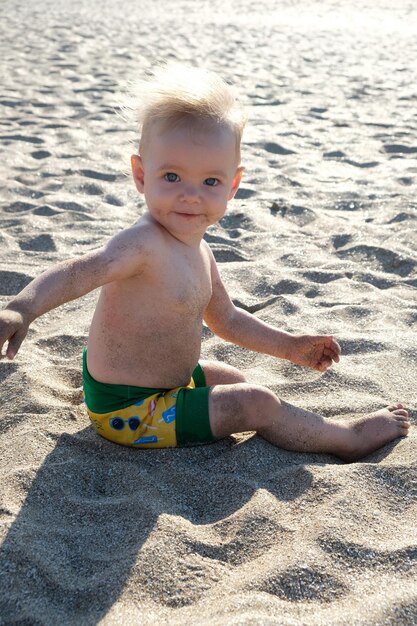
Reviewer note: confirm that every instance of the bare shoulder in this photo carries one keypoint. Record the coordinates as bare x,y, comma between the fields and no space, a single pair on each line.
214,271
140,240
128,252
207,253
142,237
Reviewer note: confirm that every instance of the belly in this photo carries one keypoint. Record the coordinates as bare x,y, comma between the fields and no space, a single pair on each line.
155,358
144,336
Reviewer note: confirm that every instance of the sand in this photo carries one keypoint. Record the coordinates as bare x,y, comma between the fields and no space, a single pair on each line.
321,238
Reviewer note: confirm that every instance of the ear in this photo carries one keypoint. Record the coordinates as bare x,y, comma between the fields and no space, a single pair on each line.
236,182
138,172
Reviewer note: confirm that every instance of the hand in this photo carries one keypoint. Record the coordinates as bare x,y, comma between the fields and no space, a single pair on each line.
13,329
315,351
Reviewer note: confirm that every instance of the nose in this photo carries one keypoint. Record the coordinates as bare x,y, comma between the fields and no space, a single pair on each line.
190,193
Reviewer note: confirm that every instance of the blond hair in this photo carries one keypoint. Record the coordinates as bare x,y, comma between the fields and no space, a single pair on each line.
174,94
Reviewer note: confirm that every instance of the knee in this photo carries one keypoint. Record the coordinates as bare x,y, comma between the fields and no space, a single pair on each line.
259,405
241,407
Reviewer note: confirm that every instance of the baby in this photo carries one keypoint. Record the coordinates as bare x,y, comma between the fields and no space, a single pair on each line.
143,382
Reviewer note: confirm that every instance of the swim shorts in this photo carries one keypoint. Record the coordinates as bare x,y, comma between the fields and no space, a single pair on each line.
149,418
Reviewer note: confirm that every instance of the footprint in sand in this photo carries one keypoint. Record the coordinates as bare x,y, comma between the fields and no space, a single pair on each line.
19,207
40,154
243,193
12,282
380,259
302,583
276,148
98,175
45,210
9,138
91,189
65,346
397,148
227,254
353,555
41,243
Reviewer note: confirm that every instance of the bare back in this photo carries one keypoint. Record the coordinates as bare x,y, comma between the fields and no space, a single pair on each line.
146,330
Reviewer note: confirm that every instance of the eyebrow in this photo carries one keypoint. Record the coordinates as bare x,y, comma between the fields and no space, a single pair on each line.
168,167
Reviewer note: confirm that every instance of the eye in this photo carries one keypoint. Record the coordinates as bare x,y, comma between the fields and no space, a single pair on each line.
211,182
171,177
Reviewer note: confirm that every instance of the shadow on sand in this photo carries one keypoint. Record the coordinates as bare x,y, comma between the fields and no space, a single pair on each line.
92,505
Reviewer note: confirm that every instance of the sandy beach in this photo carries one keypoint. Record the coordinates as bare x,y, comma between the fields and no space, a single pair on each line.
321,238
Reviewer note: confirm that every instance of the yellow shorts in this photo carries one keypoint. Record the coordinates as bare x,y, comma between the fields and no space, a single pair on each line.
149,418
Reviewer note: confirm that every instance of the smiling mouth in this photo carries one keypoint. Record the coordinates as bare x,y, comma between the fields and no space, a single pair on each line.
187,215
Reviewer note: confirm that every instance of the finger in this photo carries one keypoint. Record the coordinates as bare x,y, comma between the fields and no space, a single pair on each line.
329,346
336,347
330,354
14,344
323,365
3,342
332,344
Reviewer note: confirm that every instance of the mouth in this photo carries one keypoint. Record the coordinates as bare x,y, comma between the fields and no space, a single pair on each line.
187,216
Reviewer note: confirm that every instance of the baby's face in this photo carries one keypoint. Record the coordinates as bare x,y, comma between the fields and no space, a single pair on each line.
187,176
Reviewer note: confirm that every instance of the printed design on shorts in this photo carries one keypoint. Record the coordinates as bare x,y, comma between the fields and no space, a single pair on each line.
168,416
149,422
118,423
151,439
97,423
151,408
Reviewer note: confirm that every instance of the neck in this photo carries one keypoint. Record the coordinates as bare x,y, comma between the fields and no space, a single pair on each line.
192,240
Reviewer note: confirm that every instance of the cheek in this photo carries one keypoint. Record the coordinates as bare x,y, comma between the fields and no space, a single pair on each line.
217,193
220,196
159,193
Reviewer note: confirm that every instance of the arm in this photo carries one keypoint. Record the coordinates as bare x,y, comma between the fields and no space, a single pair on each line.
240,327
121,257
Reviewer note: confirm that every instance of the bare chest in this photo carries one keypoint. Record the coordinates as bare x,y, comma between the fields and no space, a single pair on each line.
185,285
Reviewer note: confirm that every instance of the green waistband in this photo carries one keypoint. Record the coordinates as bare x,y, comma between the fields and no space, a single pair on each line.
104,398
198,376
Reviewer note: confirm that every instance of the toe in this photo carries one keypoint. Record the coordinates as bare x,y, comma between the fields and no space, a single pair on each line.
394,407
402,419
404,423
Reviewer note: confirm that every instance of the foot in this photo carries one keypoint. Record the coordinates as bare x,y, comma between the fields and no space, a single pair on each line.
373,431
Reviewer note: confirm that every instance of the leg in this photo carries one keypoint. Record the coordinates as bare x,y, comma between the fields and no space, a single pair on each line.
241,407
218,373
